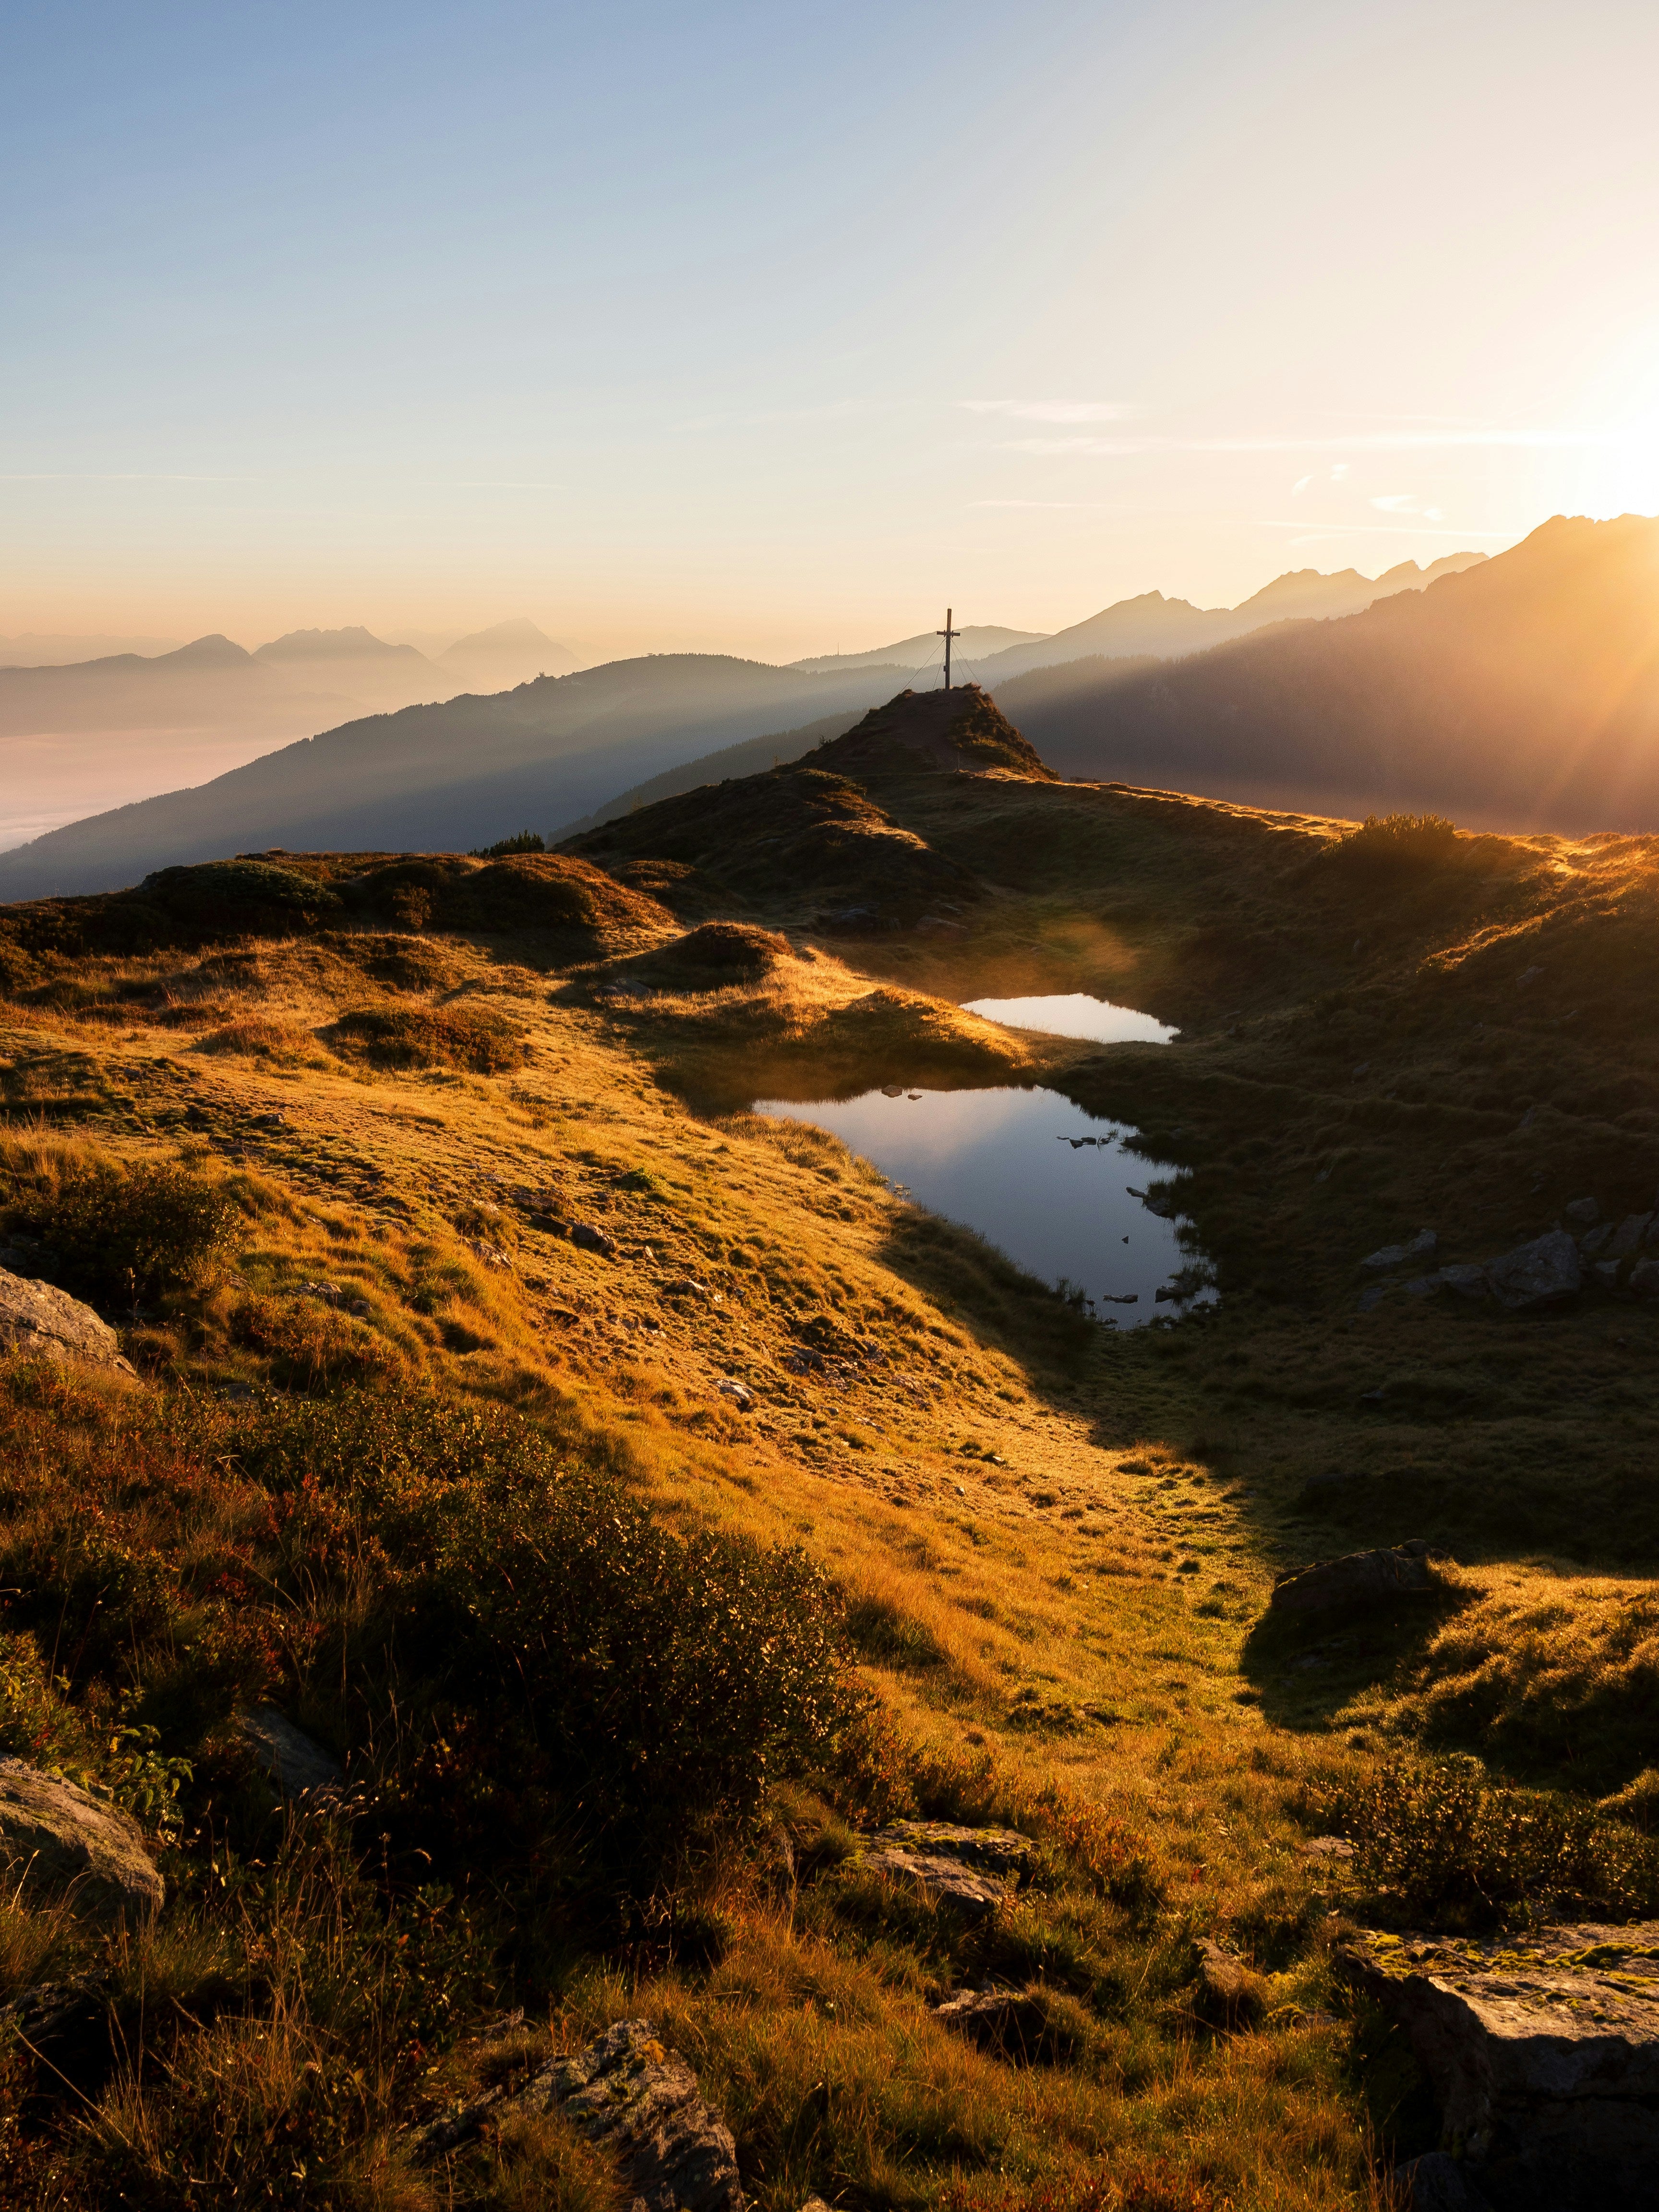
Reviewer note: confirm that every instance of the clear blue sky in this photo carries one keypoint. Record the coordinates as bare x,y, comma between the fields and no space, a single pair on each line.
768,327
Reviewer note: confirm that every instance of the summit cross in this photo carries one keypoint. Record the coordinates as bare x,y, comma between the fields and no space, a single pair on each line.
947,634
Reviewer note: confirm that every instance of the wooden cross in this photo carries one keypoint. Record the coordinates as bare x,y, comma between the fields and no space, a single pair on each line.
947,634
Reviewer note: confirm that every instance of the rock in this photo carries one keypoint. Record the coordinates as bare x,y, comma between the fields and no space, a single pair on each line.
627,2090
64,1835
974,1868
1360,1579
1326,1847
1582,1213
54,2009
1543,2051
1644,1279
588,1237
299,1767
1543,1274
1014,2024
1228,1980
1628,1238
1370,1299
1435,2183
1466,1279
741,1398
37,1318
1423,1246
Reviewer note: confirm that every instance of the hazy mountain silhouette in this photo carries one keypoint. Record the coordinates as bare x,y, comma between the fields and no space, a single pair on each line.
976,643
505,655
1522,693
81,736
56,648
452,775
1171,628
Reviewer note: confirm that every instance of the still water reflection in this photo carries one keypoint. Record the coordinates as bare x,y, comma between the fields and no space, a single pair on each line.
1073,1014
1049,1184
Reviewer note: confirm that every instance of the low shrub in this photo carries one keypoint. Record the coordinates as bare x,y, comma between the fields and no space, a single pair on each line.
1396,845
127,1233
1438,1843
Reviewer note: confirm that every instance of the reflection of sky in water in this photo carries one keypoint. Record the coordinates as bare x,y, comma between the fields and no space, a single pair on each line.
1073,1014
1004,1163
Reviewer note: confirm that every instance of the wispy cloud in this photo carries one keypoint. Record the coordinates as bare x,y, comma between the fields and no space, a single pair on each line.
1054,410
1395,502
1370,442
134,475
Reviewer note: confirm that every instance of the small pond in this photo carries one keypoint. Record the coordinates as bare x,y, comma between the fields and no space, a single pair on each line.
1047,1183
1073,1014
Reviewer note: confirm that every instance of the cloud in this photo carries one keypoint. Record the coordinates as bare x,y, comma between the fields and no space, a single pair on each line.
1395,502
1376,441
1300,485
1341,473
1053,410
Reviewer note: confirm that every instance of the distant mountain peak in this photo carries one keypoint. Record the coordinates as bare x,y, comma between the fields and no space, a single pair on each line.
351,643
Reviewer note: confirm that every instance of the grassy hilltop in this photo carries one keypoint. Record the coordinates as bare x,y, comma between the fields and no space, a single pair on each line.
634,1585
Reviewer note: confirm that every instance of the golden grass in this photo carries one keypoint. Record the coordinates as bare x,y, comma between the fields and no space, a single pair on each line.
1032,1613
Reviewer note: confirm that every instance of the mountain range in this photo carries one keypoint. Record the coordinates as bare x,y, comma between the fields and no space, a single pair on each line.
1520,694
77,738
545,754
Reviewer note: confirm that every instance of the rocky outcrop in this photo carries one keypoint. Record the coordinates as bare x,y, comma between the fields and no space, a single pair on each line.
1358,1581
973,1869
1435,2183
627,2090
299,1767
55,1833
38,1318
1543,2051
1011,2024
1546,1273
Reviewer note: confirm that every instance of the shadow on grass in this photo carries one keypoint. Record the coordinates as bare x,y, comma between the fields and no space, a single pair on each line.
1304,1669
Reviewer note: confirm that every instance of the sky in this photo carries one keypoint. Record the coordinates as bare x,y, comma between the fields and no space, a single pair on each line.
774,329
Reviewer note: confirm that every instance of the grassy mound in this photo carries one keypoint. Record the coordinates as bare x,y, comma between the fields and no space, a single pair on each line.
428,1037
724,949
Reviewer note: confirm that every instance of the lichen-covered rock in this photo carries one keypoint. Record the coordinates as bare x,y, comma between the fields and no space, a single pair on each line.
973,1868
1546,1273
299,1767
54,1832
1543,2051
627,2090
1360,1579
39,1318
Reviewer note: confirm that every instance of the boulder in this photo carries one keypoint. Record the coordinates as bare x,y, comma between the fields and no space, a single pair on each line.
1423,1246
1582,1214
38,1318
1013,2024
1466,1279
1644,1279
973,1869
58,1834
299,1767
1543,2051
588,1237
1543,1274
1629,1238
1435,2183
1229,1981
1359,1580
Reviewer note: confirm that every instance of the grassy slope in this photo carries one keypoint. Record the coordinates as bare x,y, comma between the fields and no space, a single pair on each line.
1057,1543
